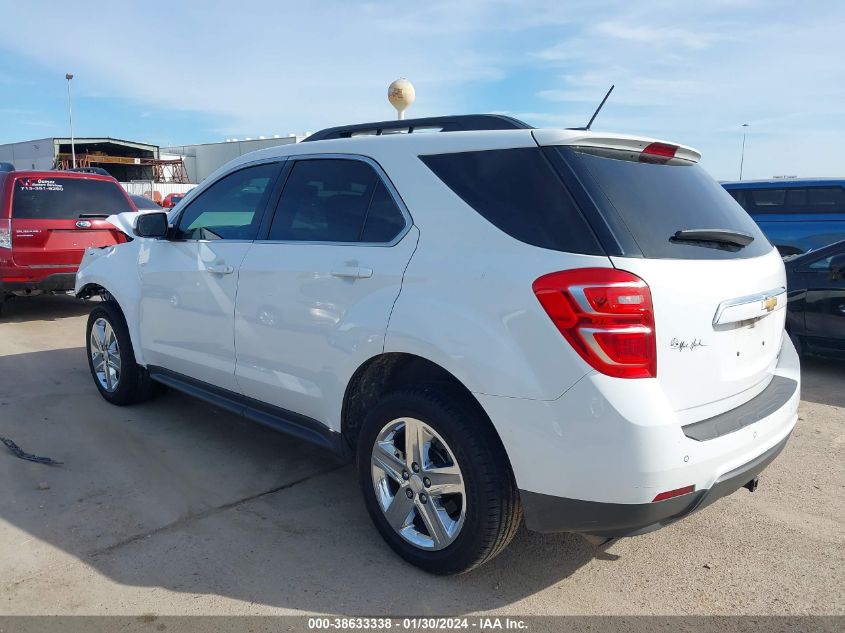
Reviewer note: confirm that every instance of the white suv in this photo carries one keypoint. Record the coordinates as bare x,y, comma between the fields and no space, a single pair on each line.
580,328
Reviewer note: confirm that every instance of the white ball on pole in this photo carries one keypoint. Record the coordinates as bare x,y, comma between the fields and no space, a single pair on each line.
401,95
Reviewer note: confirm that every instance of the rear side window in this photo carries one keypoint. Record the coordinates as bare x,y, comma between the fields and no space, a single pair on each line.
826,199
335,200
517,191
655,200
791,200
57,198
384,219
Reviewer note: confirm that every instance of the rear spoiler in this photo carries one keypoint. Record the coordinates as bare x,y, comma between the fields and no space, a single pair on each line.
622,142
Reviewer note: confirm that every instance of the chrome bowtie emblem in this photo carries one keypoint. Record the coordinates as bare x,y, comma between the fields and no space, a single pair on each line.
83,224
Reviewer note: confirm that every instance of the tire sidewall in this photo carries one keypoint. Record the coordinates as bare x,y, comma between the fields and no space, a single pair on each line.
123,393
466,548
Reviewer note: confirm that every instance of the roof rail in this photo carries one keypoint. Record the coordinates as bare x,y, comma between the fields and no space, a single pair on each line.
456,123
90,170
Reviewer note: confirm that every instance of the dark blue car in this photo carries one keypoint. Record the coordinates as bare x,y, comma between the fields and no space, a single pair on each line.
796,214
815,316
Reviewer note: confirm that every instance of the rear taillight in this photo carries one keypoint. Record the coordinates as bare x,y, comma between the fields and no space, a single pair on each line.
606,315
5,234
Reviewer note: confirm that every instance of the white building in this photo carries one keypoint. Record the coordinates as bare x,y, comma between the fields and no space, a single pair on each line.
131,161
201,160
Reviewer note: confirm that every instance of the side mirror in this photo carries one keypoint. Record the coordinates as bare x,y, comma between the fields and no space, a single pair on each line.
151,225
837,267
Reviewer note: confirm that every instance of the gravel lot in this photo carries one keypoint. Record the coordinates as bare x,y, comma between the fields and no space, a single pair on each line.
173,507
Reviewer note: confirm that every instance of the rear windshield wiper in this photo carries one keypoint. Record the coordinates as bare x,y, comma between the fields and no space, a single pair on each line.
94,215
717,238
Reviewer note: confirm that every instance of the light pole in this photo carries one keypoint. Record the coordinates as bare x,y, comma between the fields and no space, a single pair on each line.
742,157
69,76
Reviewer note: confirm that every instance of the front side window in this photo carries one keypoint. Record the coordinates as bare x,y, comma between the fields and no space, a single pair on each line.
230,209
335,200
821,264
824,264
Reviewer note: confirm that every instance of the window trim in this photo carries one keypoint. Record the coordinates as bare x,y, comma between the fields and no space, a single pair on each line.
380,173
173,225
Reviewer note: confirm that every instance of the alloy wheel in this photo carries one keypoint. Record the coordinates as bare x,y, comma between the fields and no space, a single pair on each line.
105,355
418,484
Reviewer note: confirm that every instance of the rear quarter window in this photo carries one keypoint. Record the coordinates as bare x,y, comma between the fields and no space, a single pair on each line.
517,191
57,198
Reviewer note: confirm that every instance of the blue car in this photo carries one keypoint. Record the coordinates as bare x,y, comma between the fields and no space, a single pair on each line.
796,214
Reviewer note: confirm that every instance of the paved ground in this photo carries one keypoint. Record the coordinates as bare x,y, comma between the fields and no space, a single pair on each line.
173,507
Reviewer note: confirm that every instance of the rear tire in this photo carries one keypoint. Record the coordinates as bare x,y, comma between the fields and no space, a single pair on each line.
478,522
111,359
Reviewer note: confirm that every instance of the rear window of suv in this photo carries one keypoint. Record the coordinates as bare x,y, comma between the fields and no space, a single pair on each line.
518,191
655,200
57,198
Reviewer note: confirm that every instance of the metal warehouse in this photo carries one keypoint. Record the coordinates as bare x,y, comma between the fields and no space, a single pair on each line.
125,160
133,161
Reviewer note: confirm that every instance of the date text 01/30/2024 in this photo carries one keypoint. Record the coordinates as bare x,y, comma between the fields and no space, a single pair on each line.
414,624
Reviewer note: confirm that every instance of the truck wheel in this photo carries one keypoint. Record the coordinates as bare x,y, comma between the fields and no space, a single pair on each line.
436,481
111,358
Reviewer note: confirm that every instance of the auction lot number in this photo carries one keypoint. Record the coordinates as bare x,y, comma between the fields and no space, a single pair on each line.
415,624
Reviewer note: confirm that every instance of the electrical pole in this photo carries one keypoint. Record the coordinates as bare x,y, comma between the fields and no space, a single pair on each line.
69,76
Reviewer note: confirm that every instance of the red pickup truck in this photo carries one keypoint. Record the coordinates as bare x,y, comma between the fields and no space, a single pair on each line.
47,220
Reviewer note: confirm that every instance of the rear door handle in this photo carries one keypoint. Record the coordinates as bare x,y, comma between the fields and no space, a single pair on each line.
352,272
220,269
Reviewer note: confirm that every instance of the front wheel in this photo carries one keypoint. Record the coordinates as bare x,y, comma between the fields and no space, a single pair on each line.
436,481
119,379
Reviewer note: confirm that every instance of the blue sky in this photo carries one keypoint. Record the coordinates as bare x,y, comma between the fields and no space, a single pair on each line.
191,72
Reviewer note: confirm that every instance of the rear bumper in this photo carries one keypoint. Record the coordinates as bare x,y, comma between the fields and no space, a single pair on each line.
594,460
50,283
546,513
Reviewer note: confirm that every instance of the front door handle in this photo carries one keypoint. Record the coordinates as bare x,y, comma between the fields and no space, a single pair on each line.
352,272
220,269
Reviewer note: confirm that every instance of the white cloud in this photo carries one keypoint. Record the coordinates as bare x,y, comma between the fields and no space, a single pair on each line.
646,34
687,71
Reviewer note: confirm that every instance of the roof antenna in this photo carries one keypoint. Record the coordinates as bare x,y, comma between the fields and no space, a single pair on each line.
601,105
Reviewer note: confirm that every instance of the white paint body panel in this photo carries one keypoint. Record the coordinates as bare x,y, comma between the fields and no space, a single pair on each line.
187,310
731,359
301,332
